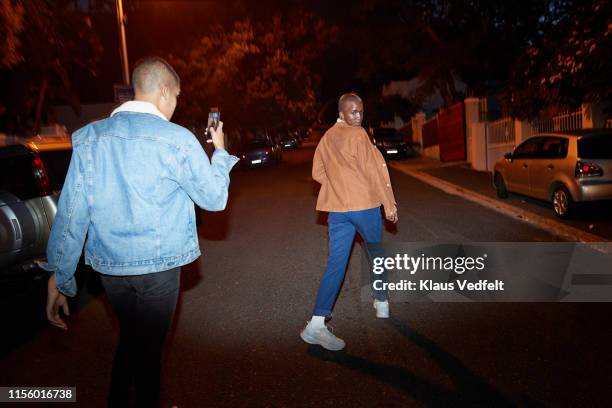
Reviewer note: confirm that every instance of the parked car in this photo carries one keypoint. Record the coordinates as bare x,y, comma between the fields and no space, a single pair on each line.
253,134
301,134
259,153
390,143
564,168
289,139
31,177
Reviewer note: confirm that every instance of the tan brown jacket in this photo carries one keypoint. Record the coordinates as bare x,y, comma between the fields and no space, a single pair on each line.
352,172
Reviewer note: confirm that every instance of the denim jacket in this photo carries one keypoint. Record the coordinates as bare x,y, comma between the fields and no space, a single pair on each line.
130,189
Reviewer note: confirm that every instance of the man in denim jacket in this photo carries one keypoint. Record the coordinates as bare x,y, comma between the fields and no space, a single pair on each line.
130,189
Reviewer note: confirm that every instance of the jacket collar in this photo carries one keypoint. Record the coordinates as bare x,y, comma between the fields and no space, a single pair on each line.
139,107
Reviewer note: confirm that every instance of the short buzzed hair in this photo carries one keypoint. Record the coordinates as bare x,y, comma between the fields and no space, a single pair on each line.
151,72
346,98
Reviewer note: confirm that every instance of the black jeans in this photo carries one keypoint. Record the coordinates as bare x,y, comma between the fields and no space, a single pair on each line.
144,305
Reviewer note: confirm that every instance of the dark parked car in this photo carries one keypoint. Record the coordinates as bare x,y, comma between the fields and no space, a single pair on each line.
562,167
259,153
390,143
289,143
289,139
31,177
301,134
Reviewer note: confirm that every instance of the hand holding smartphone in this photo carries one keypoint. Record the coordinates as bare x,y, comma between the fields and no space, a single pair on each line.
214,116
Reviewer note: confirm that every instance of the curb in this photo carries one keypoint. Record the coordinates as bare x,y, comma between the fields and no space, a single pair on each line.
554,227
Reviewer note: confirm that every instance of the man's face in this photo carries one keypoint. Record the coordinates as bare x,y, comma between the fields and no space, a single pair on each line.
352,113
169,96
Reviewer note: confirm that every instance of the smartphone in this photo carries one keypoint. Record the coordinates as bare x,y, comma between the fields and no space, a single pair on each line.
213,122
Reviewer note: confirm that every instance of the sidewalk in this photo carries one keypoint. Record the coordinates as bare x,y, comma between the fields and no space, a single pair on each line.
460,179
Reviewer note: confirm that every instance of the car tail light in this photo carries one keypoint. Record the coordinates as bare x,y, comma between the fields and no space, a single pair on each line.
584,169
40,174
267,152
244,156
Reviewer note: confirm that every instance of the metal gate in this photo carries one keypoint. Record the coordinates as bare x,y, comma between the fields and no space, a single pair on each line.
499,139
430,132
451,133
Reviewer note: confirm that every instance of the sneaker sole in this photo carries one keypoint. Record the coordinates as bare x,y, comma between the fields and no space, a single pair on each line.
380,315
311,340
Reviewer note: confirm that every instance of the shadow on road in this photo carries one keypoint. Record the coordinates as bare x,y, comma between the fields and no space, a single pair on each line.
215,226
470,390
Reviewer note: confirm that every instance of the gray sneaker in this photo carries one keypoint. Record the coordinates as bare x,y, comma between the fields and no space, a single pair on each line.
323,337
382,309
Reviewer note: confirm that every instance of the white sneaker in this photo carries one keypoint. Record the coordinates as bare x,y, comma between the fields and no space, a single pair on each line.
382,308
323,337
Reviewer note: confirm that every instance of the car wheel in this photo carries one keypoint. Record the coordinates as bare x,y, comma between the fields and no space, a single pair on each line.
562,202
500,186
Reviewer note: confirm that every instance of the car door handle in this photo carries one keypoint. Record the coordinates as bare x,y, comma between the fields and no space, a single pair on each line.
550,167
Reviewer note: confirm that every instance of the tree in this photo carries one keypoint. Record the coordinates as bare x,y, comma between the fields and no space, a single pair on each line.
442,41
569,64
11,26
214,71
52,41
256,73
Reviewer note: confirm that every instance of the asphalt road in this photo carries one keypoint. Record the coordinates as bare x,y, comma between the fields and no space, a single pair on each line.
235,339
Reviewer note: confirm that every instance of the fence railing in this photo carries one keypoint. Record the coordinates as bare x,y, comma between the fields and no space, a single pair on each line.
501,131
566,121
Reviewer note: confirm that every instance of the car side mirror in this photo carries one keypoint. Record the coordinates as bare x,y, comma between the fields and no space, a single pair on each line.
508,156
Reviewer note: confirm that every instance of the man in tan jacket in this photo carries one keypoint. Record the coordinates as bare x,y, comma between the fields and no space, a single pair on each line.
354,184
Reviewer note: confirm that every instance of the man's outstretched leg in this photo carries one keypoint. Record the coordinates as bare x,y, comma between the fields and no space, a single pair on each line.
341,235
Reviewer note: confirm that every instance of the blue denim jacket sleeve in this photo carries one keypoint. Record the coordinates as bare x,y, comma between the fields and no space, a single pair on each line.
69,228
207,182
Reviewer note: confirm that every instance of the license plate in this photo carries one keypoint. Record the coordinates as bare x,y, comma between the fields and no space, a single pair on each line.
255,161
391,151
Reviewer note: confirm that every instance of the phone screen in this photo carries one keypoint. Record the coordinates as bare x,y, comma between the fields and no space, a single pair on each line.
213,121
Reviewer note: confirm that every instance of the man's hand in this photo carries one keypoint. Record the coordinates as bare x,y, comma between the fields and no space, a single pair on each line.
55,302
217,136
391,215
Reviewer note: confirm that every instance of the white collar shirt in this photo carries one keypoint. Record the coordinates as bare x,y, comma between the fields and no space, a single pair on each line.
140,107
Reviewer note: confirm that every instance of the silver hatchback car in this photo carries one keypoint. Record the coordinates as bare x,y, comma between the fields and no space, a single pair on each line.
562,167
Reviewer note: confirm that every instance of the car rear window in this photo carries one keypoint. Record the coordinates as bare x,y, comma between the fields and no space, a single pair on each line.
17,176
256,145
56,163
595,147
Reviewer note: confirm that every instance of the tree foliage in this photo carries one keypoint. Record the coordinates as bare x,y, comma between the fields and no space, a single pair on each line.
256,73
442,41
11,26
50,42
569,64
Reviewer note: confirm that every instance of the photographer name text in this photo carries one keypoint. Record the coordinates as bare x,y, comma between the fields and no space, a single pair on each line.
430,285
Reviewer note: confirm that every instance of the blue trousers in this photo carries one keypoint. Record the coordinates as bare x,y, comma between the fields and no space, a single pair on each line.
342,227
